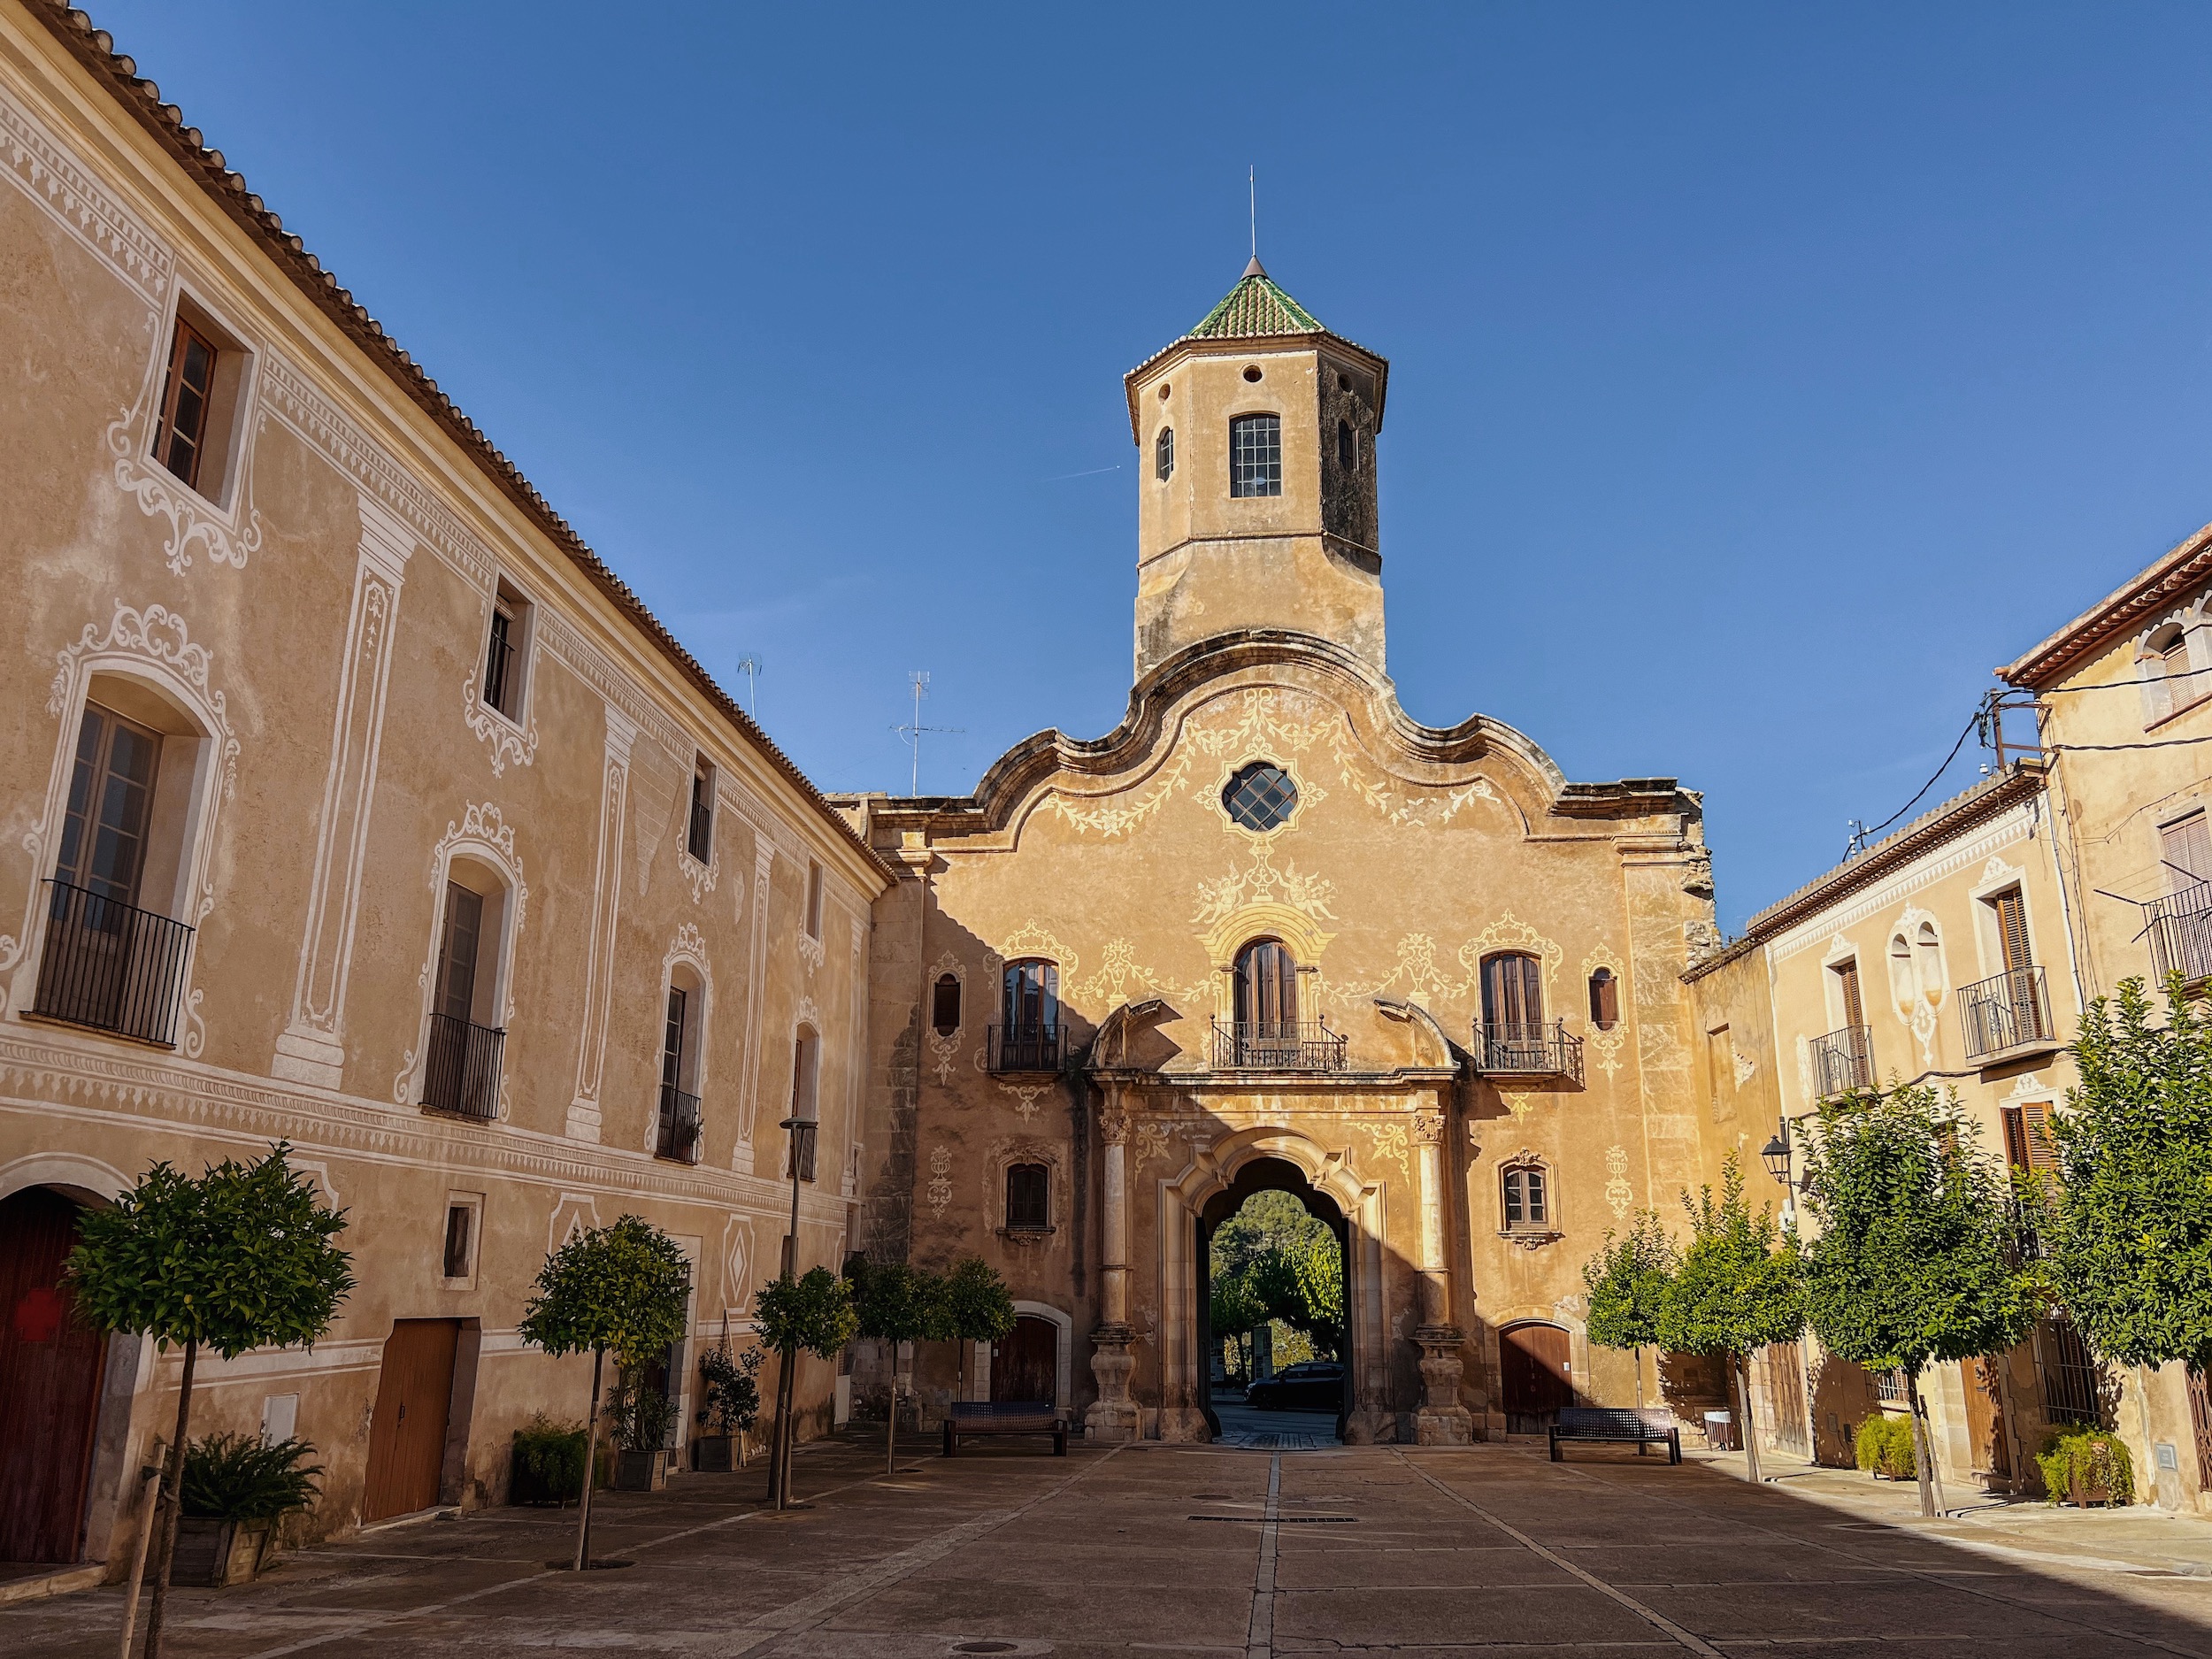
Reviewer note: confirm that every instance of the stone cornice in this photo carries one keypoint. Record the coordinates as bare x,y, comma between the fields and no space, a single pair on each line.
2174,580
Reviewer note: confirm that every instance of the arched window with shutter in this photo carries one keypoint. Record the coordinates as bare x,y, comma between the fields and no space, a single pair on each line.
944,1005
1028,1198
1267,989
1605,1000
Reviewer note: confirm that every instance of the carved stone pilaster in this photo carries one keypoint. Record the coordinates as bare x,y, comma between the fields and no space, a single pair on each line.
1112,1418
1113,1125
1441,1420
1428,1128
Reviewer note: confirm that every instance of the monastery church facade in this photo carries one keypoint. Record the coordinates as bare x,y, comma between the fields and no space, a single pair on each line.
1270,931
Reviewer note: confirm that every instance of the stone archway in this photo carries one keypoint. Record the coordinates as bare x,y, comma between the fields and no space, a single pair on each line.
1213,1179
1254,1176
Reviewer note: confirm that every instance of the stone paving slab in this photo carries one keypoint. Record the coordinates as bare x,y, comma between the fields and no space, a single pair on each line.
1486,1549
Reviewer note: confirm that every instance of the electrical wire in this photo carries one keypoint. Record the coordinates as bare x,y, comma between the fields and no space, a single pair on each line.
1865,837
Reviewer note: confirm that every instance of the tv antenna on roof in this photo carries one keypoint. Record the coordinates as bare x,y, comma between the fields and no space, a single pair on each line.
912,733
749,666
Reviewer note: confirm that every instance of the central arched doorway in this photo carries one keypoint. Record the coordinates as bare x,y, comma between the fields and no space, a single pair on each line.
1233,1210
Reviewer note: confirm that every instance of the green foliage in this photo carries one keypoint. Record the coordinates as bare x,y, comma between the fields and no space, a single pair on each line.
548,1461
2089,1457
240,1258
1737,1287
1884,1444
2127,1228
974,1304
1274,1259
641,1413
814,1313
244,1477
896,1303
1917,1260
1627,1281
622,1288
729,1389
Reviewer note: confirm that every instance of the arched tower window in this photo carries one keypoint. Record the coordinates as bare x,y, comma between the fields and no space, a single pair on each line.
1267,990
1163,454
1255,454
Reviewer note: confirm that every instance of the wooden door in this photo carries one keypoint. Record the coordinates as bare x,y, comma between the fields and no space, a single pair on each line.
1785,1385
50,1369
1512,995
1535,1378
1986,1418
1267,990
1024,1366
407,1434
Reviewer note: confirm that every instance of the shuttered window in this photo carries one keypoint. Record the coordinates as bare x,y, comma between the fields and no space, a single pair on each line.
1267,989
2185,847
1028,1197
1848,983
1512,993
2012,929
2028,1144
180,437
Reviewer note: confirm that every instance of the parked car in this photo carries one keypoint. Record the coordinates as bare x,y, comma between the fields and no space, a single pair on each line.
1313,1384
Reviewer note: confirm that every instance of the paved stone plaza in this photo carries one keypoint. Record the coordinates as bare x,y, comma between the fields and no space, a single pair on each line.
1194,1550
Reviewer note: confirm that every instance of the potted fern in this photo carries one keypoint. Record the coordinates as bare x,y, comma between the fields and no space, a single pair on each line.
731,1393
236,1488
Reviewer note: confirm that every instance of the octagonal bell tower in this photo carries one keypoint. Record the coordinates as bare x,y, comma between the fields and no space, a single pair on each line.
1256,437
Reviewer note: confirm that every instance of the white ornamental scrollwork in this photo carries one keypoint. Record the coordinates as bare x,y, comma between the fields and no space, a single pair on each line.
510,744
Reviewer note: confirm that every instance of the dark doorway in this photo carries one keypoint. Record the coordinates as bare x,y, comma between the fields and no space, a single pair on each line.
1275,1175
414,1397
1534,1377
1025,1366
50,1367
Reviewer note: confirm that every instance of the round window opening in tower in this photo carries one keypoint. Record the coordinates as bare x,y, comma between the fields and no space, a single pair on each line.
1252,372
1261,797
1163,391
1343,382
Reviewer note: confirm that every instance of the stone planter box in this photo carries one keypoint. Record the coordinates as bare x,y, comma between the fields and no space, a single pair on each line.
219,1552
641,1471
714,1454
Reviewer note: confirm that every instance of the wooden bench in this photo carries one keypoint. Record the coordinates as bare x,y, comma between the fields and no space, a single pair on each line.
1006,1417
1614,1425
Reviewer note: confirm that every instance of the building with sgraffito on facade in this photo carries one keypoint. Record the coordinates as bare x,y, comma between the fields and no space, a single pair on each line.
350,801
1273,931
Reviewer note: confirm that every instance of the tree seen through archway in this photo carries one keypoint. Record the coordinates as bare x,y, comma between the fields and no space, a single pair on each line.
1276,1264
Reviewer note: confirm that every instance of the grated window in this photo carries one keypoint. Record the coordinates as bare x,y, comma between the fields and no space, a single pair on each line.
1255,455
1260,797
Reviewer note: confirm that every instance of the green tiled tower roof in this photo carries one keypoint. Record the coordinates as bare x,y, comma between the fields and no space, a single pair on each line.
1254,308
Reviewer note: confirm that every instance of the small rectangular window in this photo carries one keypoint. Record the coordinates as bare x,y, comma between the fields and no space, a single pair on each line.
1028,1197
813,900
460,1234
1526,1203
1255,454
503,662
181,435
701,840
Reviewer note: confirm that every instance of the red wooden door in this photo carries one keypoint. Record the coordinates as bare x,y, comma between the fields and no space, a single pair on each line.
1024,1365
50,1368
1535,1378
407,1432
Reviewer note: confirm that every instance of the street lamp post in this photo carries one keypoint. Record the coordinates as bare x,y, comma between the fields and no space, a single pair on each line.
802,1130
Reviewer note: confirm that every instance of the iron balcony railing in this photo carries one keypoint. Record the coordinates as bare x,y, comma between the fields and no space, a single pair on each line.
1843,1061
109,966
2008,1010
2180,930
1531,1048
1025,1047
461,1074
677,1130
1282,1045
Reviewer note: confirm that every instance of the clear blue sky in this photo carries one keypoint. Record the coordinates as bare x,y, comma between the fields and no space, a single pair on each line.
1761,376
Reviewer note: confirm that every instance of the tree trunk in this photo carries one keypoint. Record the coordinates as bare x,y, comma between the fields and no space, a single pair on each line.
1923,1449
780,1458
1739,1369
171,1503
891,1430
591,1461
150,1501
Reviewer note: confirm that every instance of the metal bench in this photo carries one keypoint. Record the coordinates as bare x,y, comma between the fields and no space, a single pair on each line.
1615,1425
969,1417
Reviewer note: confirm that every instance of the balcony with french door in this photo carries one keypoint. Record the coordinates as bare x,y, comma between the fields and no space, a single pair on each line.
2179,928
2007,1015
1843,1061
1529,1051
1277,1045
461,1075
110,966
1029,1047
677,1129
